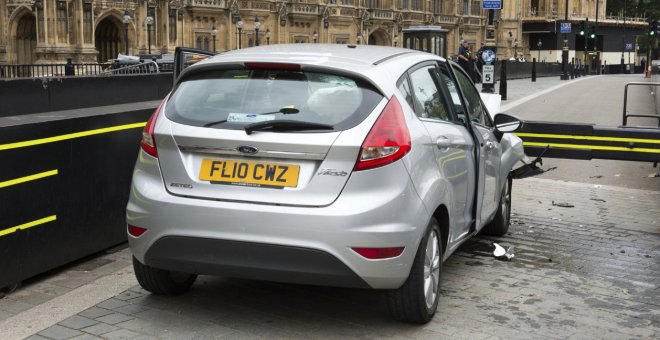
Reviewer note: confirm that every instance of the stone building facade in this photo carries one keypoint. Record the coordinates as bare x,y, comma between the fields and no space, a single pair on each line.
49,31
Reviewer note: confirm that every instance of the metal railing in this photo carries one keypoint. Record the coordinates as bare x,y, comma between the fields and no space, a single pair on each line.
48,70
61,70
141,68
653,88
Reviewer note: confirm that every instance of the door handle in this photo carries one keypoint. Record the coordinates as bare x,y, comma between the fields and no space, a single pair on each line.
443,142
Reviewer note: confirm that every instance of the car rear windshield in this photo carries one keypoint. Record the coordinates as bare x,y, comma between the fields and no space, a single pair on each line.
233,98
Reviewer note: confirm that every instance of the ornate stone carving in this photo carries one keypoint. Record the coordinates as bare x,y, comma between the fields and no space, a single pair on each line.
282,12
326,17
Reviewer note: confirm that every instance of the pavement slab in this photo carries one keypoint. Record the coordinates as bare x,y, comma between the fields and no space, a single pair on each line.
575,275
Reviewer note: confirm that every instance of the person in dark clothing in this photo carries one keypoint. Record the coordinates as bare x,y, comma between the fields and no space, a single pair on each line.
643,62
479,63
478,56
464,55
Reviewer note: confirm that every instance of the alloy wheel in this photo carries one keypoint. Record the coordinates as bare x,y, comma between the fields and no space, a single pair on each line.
431,270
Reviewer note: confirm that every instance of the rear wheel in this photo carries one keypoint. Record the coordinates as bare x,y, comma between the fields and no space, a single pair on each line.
417,300
160,281
500,224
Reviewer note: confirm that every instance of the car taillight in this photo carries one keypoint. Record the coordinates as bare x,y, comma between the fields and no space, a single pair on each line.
148,142
136,231
388,140
379,253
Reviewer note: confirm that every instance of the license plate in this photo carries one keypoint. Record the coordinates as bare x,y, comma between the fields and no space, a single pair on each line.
248,173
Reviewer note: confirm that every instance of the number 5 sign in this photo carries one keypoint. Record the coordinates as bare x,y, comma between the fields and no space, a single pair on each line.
487,75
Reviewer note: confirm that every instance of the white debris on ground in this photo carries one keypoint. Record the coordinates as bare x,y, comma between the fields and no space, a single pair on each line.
501,253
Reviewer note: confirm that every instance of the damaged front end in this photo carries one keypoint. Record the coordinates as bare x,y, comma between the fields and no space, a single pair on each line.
504,124
530,169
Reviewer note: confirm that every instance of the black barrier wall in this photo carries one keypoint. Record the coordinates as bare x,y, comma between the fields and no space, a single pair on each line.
25,96
64,185
518,70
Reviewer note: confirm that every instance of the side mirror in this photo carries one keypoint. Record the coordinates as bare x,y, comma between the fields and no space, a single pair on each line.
506,123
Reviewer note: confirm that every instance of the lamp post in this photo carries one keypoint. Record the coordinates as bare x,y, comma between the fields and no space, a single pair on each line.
539,44
623,38
127,20
150,21
239,28
586,44
257,24
596,56
564,52
214,32
267,36
316,36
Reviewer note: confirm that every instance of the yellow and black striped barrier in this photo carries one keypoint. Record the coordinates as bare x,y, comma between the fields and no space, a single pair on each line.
64,184
584,141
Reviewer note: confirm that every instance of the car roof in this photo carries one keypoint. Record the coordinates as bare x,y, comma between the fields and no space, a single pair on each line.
348,57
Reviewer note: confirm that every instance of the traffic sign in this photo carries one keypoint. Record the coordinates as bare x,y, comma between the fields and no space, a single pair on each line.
487,75
628,46
491,4
487,56
565,27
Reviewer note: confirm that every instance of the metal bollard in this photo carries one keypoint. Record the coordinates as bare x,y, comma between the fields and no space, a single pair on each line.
533,69
503,80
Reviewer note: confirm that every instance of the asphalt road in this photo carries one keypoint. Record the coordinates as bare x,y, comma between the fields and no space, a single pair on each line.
595,100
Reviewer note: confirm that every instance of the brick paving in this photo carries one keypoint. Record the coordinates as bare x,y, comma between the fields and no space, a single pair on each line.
586,272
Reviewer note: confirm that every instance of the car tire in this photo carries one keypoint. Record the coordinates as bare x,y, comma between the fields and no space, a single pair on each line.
500,224
413,302
160,281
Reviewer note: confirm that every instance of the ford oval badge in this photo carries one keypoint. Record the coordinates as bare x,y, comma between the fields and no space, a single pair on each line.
247,149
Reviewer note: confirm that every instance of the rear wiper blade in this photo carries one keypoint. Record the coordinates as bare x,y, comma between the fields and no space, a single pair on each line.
286,125
284,110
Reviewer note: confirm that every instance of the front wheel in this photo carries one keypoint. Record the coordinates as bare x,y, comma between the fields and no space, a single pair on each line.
500,224
417,300
161,281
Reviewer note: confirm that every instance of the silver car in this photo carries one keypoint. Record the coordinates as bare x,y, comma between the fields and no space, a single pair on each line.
342,165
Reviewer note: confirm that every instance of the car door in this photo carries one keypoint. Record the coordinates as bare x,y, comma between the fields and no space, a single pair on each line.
184,57
490,151
451,142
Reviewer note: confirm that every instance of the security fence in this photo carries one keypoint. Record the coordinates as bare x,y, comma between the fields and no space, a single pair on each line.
15,71
48,70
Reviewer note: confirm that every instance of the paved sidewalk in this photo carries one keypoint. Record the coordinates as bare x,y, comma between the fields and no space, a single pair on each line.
588,271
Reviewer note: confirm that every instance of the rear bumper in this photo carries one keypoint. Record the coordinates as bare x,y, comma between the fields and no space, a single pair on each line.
378,208
251,261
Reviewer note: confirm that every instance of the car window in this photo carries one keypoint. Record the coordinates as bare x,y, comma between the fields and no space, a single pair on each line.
233,98
429,101
404,87
455,96
475,109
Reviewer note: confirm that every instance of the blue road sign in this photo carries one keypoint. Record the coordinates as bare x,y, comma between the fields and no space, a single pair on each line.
491,4
565,27
628,46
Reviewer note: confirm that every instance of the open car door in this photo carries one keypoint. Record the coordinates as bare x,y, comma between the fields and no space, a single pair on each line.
184,57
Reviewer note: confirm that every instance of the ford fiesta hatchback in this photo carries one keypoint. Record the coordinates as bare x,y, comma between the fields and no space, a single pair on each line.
341,165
